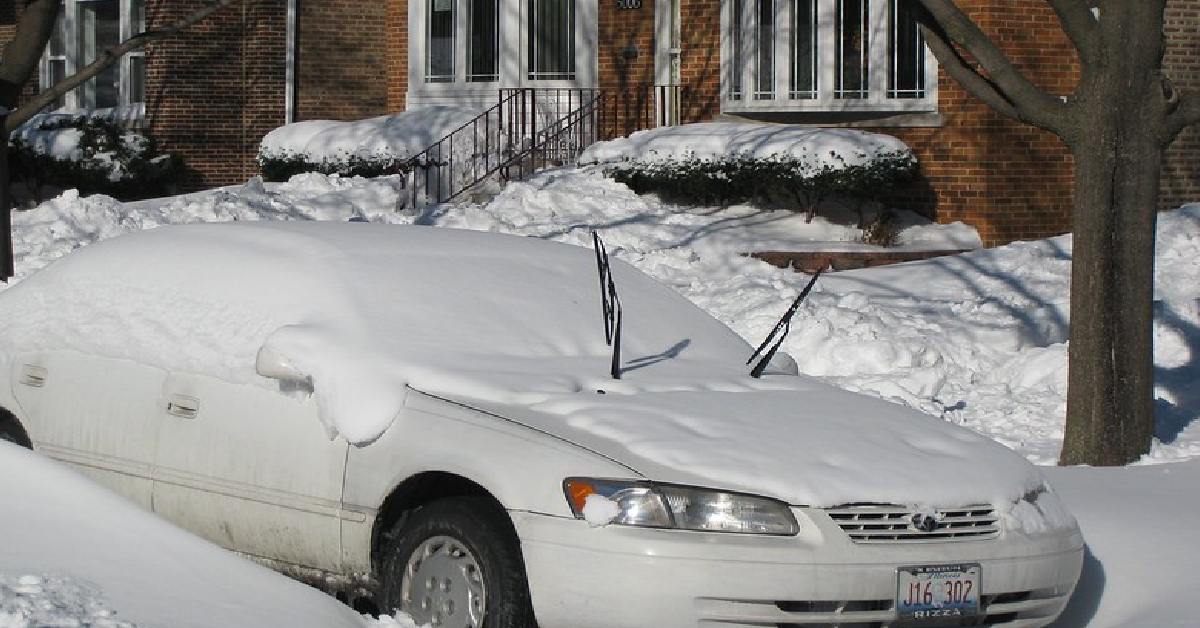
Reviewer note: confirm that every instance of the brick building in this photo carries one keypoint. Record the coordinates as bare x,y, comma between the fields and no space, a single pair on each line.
213,93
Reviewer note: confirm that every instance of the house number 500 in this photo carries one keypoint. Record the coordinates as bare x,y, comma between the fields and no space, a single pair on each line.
629,4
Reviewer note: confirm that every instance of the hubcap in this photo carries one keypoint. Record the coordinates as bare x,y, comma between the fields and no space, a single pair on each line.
443,585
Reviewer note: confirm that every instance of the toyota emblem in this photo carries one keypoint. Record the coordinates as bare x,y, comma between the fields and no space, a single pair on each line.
924,522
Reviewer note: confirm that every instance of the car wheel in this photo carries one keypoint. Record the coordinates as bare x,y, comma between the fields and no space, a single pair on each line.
11,431
456,563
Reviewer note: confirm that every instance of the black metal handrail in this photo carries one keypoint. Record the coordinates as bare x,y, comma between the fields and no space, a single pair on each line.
528,130
466,156
559,143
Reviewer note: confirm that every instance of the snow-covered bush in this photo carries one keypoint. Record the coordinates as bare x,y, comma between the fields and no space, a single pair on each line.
283,165
798,182
92,155
793,166
367,148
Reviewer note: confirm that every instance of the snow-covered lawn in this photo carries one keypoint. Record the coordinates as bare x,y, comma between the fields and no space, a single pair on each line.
977,339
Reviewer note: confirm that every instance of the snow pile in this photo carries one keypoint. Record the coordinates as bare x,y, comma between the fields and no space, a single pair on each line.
1139,523
720,140
599,510
53,602
395,136
77,556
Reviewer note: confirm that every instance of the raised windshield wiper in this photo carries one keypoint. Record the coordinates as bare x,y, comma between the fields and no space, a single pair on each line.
610,304
781,330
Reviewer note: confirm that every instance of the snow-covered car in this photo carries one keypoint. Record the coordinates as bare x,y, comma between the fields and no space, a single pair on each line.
442,421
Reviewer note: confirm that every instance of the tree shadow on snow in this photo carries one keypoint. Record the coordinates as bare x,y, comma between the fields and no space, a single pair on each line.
1082,607
1181,383
1042,322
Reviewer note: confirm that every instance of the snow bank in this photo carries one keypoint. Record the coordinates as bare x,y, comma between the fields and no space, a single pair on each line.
76,555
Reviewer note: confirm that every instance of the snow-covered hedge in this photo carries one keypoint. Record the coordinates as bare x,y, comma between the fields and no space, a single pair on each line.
725,163
92,155
366,148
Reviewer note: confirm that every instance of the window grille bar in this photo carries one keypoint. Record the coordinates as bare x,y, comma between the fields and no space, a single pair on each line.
804,51
765,33
853,61
551,40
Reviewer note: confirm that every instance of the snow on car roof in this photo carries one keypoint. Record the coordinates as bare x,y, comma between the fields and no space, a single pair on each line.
363,309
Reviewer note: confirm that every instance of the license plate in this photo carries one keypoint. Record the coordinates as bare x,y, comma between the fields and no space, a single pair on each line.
929,595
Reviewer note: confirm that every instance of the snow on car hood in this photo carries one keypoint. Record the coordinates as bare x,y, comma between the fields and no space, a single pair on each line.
788,437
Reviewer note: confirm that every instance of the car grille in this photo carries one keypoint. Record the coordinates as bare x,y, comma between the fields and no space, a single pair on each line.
1019,609
896,524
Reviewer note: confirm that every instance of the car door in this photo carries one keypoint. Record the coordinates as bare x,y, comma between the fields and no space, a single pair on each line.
96,414
251,469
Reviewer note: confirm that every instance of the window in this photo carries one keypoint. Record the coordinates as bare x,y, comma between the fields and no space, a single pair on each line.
449,22
551,40
85,29
463,51
825,55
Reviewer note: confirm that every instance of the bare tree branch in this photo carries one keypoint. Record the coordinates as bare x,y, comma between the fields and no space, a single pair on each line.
105,59
1080,25
1032,105
961,71
1185,114
24,51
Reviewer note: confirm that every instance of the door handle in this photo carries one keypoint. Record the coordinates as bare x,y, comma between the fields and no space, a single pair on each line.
32,376
183,406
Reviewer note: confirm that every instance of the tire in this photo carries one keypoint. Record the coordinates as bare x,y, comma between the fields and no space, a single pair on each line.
456,563
11,431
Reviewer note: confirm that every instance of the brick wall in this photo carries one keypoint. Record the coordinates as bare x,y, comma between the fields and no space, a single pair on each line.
1008,180
396,53
341,60
10,12
620,29
700,59
216,89
8,20
1181,166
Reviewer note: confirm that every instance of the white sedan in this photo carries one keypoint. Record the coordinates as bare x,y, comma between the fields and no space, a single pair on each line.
464,426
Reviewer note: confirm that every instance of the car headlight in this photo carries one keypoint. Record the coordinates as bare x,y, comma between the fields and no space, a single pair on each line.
681,507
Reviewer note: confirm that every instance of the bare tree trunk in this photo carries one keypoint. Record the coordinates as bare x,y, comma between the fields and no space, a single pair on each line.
1121,117
7,264
1118,159
1110,401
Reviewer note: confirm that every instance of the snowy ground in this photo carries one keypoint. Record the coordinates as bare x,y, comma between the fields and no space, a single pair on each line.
978,339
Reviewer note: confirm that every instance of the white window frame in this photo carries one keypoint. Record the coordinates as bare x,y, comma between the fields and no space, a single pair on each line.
571,73
75,57
512,57
741,31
